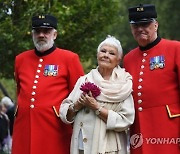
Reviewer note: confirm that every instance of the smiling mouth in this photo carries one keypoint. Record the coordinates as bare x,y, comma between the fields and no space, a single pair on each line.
142,34
105,61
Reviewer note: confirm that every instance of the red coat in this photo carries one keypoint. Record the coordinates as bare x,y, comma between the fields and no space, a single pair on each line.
156,92
43,82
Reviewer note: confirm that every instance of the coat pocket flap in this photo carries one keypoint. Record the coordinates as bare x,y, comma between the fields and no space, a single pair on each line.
173,110
56,111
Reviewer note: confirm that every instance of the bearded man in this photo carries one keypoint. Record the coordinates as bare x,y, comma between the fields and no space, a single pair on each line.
45,76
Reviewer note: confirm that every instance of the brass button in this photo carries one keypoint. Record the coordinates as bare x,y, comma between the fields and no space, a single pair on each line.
31,106
142,66
144,54
140,80
140,109
34,87
139,101
141,73
40,65
139,87
139,94
35,81
143,60
32,99
37,76
41,60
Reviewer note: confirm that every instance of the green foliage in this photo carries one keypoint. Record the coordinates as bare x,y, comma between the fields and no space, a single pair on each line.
82,25
9,85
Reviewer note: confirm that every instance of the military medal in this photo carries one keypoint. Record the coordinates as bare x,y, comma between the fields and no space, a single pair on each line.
157,62
51,70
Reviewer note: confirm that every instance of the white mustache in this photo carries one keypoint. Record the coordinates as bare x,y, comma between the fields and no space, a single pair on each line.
41,40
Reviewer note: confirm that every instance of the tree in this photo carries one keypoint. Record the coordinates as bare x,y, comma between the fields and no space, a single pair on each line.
82,23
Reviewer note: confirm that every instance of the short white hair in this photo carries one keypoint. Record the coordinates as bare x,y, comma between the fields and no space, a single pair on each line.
112,41
7,101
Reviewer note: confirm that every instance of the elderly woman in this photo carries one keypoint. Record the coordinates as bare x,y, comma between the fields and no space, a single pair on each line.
101,105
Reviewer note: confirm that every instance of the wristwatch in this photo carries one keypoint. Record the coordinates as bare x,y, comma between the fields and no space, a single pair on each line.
98,111
72,107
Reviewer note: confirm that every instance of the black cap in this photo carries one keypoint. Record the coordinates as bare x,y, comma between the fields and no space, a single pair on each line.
44,21
142,13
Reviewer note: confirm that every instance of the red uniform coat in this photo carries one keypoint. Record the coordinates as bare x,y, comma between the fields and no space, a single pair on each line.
156,92
43,82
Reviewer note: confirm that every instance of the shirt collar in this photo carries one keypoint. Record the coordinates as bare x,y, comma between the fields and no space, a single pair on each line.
40,54
149,46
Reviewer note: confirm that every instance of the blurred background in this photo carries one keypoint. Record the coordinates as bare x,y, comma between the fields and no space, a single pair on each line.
82,25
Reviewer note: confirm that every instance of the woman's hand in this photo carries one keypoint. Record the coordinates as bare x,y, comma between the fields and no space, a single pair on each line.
89,101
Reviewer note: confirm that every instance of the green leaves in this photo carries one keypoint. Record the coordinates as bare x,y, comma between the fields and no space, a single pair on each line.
82,25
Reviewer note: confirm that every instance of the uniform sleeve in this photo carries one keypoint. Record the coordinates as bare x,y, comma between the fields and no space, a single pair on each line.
75,71
121,120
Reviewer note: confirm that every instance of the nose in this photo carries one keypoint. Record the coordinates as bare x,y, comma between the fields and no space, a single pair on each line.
41,34
139,28
106,54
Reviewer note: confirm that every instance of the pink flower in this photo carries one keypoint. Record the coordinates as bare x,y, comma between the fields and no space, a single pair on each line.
90,87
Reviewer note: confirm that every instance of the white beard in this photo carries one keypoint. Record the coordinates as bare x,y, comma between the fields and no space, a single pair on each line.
43,45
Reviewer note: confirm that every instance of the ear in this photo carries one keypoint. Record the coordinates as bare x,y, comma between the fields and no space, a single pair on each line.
55,35
156,26
118,60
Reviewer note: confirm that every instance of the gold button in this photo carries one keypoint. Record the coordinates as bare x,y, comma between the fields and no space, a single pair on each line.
31,106
139,94
40,65
34,87
35,81
143,60
140,109
37,76
141,73
41,60
140,80
142,66
139,87
144,54
32,99
139,101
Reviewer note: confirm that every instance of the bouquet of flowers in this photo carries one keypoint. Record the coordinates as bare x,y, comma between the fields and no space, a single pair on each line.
90,87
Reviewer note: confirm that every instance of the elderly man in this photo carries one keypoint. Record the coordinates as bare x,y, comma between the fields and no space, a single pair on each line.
45,76
155,67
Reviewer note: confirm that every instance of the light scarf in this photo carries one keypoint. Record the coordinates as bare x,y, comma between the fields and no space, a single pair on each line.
116,89
113,91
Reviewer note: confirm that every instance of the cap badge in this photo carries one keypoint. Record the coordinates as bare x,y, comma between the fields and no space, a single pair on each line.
157,62
140,9
41,17
51,70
